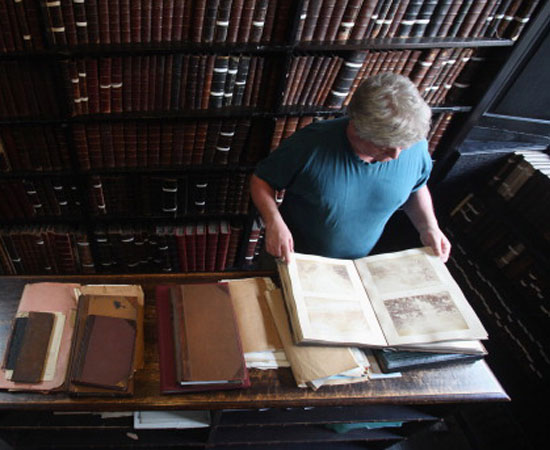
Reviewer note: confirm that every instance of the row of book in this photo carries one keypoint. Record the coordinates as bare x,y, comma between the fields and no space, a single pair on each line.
286,126
149,196
69,24
195,246
79,339
515,332
168,144
154,144
168,82
332,80
45,250
27,89
126,196
353,20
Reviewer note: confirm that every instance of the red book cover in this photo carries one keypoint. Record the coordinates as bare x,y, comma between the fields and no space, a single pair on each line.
200,246
103,21
212,237
223,245
190,246
135,21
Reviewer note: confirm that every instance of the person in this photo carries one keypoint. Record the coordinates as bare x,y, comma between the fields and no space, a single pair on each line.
344,178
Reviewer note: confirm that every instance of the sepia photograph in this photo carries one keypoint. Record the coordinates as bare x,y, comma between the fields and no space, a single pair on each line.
327,279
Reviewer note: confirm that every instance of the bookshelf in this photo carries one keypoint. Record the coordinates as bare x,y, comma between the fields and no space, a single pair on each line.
128,128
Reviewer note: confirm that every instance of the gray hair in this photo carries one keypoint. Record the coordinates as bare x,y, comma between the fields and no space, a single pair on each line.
387,110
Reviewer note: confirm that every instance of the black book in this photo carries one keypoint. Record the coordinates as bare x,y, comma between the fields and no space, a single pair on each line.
397,361
439,13
423,18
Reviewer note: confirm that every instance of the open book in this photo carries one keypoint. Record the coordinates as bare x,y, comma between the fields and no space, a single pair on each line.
402,299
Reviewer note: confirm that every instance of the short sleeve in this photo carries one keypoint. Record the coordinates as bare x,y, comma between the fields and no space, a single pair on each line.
281,166
425,165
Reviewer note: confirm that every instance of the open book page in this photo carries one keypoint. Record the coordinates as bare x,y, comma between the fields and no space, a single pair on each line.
327,302
416,299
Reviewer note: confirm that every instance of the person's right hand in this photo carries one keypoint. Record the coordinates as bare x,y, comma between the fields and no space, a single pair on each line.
278,240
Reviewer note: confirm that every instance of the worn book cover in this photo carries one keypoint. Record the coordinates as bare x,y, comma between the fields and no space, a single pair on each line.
392,299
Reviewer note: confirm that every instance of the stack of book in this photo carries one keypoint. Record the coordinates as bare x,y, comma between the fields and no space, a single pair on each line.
95,353
168,82
404,300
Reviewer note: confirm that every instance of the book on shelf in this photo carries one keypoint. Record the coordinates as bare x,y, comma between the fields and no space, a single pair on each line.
192,356
80,339
401,299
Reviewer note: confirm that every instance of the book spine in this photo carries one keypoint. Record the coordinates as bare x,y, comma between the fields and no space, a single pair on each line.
167,20
365,16
325,14
423,18
409,18
312,17
449,19
341,87
222,21
196,29
258,21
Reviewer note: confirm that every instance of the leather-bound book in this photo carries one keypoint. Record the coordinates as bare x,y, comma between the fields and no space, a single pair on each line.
156,21
235,236
116,84
81,146
258,21
366,15
152,80
209,359
242,80
125,21
332,72
450,18
142,145
209,24
395,13
423,65
181,251
114,21
31,357
5,28
83,86
349,17
301,20
463,59
200,247
258,92
17,11
97,198
127,84
92,20
438,129
316,62
520,20
223,245
224,141
409,18
130,140
335,20
93,136
342,84
105,80
187,20
143,81
56,23
118,144
107,145
427,80
190,247
485,18
190,129
153,150
206,85
269,24
281,27
229,87
413,58
166,143
460,18
146,20
277,135
175,85
197,22
92,85
199,191
239,140
312,16
439,13
103,21
325,15
245,24
290,78
317,80
252,242
397,18
30,10
234,21
375,25
200,142
160,78
471,18
184,75
221,25
177,21
192,75
167,20
212,237
448,58
290,126
296,77
212,131
423,18
169,197
502,18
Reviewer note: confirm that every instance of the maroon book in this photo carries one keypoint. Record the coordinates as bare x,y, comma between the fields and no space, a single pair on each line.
125,21
116,84
167,19
105,80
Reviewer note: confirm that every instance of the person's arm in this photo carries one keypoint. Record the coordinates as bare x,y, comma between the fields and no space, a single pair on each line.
278,239
419,208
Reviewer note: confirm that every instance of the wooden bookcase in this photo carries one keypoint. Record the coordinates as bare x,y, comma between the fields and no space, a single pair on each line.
138,192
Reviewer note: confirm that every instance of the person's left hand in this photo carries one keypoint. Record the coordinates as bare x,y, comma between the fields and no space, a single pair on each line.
433,237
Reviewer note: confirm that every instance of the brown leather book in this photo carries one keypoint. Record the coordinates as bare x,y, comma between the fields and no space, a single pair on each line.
146,20
159,83
152,79
258,21
520,20
239,140
105,66
114,21
258,92
200,142
103,21
312,80
30,11
332,72
364,17
197,23
200,245
294,82
438,129
156,21
212,237
117,134
125,21
449,18
223,245
290,78
31,357
270,15
106,352
209,24
107,145
301,20
438,63
245,74
325,14
166,143
69,22
463,59
312,16
116,85
471,18
277,135
209,358
375,25
186,23
190,129
348,21
153,149
56,24
335,20
212,132
423,65
143,80
177,21
167,20
447,64
127,84
245,24
304,77
281,27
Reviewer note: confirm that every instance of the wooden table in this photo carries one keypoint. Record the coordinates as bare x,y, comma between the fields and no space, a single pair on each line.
472,382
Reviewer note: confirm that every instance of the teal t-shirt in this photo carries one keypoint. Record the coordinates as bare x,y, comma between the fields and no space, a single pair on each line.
335,204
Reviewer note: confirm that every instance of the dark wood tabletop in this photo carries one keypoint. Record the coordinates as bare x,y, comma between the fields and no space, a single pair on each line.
469,382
